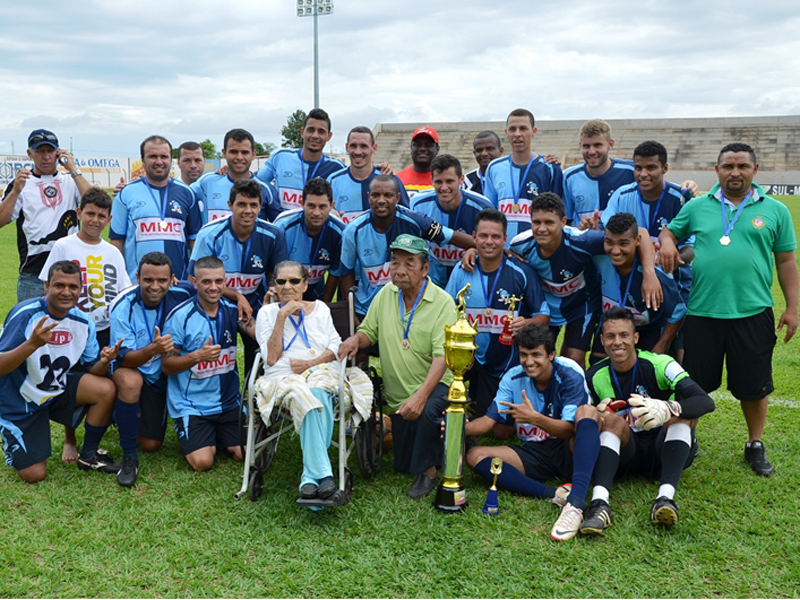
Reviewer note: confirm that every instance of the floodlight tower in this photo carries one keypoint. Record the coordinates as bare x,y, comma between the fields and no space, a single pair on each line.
315,8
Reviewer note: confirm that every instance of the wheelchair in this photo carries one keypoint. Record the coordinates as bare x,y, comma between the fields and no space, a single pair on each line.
260,439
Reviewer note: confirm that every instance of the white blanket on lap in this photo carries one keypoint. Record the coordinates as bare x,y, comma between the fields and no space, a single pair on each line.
294,392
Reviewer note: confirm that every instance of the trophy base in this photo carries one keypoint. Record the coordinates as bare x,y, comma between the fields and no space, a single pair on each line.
450,500
506,339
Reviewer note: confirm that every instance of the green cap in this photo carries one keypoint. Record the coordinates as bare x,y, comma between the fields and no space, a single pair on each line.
409,243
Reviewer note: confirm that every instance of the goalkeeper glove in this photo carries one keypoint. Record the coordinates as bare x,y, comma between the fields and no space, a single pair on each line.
650,412
611,406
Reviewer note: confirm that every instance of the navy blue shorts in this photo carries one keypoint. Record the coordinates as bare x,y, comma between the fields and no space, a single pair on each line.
153,410
195,432
578,333
27,441
549,459
642,455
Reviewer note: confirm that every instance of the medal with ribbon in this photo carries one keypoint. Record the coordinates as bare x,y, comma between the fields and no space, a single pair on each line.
406,344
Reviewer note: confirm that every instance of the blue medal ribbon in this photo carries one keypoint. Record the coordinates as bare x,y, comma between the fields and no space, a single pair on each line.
643,205
633,380
151,331
161,207
299,329
413,309
303,166
623,297
246,251
482,179
314,247
728,227
488,297
454,224
518,192
215,335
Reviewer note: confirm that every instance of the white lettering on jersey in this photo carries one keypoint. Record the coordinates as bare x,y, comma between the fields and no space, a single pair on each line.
315,273
224,364
290,197
641,318
565,288
243,283
380,275
492,324
523,212
531,433
447,254
153,229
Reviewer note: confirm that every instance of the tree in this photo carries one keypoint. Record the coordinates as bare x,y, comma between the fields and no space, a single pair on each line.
291,131
264,149
209,149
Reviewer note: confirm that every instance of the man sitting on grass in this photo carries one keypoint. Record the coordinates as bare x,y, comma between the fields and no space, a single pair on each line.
538,398
643,424
43,339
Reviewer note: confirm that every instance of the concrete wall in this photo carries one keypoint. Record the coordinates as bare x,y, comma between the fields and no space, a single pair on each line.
693,144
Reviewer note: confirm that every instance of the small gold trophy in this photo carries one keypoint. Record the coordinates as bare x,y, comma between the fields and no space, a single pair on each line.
490,507
506,338
459,352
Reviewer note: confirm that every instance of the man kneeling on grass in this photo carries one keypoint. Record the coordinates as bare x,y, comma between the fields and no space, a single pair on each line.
539,398
43,339
643,424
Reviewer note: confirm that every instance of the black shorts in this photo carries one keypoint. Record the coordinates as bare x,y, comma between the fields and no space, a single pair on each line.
579,332
482,388
642,455
27,441
549,459
746,346
103,337
195,432
153,410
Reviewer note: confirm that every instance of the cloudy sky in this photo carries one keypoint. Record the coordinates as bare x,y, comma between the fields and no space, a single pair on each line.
109,73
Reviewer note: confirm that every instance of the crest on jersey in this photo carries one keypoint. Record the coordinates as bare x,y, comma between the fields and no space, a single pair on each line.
503,293
532,188
324,255
228,338
175,207
566,274
758,222
50,193
256,261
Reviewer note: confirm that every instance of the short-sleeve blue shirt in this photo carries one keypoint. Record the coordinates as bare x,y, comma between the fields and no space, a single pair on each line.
291,172
213,191
351,196
584,194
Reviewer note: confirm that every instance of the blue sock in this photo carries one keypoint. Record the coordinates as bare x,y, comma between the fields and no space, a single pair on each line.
91,439
512,480
127,416
584,455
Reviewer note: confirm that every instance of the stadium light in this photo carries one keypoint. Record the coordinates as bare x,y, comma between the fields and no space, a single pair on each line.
315,8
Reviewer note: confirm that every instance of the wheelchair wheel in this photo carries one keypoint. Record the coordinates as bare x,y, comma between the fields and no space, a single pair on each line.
266,454
369,443
256,485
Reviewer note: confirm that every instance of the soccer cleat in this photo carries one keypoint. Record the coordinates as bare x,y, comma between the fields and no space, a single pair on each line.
664,512
598,518
562,491
128,471
566,526
755,454
101,461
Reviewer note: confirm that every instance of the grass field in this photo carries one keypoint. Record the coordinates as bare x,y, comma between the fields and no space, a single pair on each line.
179,533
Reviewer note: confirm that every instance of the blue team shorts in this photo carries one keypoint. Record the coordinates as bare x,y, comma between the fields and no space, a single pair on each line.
221,430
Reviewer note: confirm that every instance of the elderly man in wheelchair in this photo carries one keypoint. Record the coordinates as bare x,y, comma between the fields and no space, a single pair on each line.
298,343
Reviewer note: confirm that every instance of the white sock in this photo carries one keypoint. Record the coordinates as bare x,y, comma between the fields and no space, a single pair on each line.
599,493
666,490
610,441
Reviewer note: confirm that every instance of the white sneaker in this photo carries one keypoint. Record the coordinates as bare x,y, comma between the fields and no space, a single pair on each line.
566,526
562,491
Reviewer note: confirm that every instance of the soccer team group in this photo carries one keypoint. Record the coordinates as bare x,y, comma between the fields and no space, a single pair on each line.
654,286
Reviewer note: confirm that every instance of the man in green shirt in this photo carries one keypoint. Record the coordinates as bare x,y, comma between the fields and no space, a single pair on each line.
738,230
407,318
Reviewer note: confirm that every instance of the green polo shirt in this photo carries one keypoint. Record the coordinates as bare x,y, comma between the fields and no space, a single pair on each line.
404,370
734,281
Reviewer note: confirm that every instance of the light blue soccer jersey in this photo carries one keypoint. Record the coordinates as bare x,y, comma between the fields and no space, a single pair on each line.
291,173
135,324
446,256
208,388
565,392
351,196
248,264
213,191
514,278
318,254
615,286
654,215
568,277
151,219
365,251
511,188
584,194
43,375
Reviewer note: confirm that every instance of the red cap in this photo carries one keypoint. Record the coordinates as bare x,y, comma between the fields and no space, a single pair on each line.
425,130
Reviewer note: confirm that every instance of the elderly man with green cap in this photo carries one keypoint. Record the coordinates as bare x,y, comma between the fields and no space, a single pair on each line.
407,318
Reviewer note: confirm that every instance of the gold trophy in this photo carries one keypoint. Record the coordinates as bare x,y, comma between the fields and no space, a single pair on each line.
506,338
491,507
459,352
